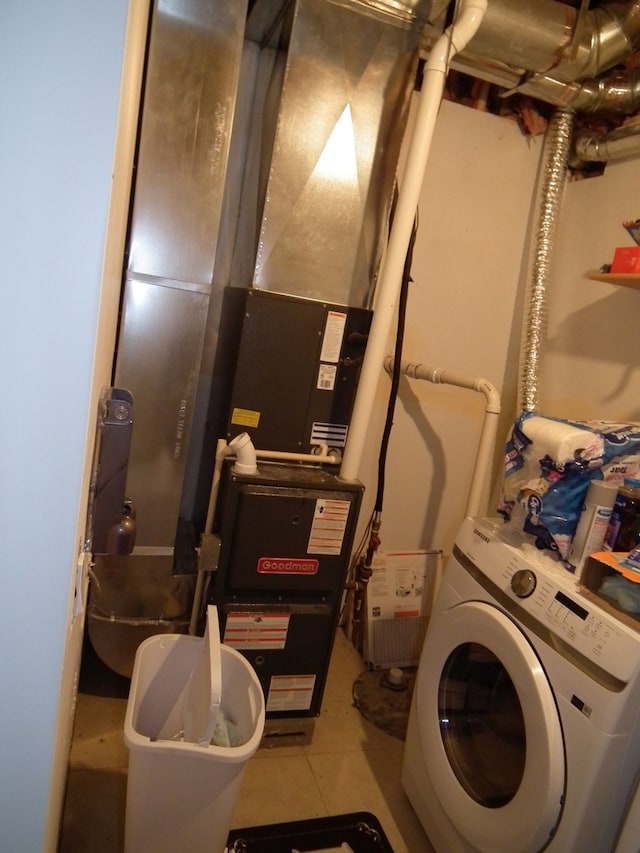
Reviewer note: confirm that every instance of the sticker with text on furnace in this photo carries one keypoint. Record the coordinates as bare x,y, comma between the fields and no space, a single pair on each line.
328,526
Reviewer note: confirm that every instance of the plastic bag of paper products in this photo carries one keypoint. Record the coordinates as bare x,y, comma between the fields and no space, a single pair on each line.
548,465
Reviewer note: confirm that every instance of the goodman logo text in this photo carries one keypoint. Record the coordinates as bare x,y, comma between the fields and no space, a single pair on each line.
287,566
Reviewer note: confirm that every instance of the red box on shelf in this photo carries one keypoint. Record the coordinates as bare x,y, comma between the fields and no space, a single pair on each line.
626,259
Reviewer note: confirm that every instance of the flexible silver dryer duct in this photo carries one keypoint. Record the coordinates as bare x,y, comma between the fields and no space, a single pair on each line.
556,153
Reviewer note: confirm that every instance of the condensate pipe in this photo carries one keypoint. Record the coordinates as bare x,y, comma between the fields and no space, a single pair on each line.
221,452
452,41
246,456
484,456
328,457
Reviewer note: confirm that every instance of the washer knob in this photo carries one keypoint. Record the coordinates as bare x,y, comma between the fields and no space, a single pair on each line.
523,583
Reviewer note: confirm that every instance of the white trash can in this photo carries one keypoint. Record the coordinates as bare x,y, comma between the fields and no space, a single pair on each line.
181,796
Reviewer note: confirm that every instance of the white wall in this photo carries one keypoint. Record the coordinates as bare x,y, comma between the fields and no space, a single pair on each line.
464,315
471,274
591,367
60,68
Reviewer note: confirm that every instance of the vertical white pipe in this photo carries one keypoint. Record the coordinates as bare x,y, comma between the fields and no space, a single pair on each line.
221,451
482,469
452,41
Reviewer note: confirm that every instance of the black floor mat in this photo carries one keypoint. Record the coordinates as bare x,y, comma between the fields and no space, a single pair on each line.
360,831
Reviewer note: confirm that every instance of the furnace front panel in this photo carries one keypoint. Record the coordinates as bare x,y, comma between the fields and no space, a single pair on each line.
286,535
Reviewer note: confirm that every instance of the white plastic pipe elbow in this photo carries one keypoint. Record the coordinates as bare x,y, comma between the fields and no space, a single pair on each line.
242,447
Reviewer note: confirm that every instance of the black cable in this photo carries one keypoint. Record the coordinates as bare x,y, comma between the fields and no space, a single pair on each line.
397,358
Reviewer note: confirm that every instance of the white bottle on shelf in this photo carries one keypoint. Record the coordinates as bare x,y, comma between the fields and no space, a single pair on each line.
593,523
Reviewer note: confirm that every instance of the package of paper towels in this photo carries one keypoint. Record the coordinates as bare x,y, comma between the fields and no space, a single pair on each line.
548,465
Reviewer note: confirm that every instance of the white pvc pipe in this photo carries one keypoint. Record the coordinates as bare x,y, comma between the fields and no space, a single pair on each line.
440,376
242,447
331,458
484,456
221,452
246,455
452,41
482,468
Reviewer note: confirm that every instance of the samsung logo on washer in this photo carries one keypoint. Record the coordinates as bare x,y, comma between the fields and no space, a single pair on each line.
287,566
483,536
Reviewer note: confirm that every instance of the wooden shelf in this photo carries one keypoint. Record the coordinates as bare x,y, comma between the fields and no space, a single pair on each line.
625,279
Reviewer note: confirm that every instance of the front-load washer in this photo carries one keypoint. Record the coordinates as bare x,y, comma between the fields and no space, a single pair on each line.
524,730
628,840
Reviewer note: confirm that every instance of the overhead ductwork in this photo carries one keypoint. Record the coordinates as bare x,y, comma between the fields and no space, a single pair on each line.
560,55
333,89
602,148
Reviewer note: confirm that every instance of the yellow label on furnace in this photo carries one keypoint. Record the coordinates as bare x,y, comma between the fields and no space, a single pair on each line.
245,417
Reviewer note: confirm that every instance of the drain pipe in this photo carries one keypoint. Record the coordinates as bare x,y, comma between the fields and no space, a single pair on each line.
484,456
452,41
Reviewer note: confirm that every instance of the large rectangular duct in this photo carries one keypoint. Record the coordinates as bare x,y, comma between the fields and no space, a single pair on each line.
190,92
193,65
331,107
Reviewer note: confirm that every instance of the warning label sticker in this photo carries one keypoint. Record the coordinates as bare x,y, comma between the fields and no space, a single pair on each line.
256,630
245,417
333,335
328,526
290,692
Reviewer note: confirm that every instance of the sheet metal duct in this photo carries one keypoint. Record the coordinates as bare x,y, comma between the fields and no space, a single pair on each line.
560,55
193,63
602,148
554,52
330,126
191,84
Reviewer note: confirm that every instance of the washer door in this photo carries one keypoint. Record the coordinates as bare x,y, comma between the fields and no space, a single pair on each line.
489,730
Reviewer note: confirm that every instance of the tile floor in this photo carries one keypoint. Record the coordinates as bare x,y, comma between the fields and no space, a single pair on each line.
349,766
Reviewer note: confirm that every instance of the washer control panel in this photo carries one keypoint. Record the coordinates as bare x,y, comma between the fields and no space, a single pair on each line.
548,593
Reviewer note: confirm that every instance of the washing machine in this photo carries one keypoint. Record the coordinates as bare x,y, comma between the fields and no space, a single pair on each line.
628,840
524,731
